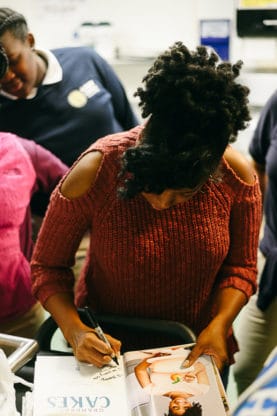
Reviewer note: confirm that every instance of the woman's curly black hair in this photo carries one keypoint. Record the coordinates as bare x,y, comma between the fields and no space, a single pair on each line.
195,108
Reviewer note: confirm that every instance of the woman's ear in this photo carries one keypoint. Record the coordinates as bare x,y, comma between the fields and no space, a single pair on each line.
31,40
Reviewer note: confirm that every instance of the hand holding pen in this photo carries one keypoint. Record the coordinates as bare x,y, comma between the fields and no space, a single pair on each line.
95,325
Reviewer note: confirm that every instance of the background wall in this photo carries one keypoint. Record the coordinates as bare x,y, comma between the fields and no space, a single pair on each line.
141,29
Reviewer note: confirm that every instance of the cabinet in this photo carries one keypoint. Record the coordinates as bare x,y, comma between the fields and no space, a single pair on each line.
256,22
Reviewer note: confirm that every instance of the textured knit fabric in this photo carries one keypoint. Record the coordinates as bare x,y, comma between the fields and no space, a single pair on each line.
16,172
66,117
149,263
22,171
49,170
263,149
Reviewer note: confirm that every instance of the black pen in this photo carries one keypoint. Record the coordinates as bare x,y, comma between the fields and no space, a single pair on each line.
95,325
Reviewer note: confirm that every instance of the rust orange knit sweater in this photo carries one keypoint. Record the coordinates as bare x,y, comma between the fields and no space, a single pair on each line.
150,263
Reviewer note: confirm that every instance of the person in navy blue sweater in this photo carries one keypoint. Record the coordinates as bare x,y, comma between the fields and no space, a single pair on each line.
62,99
257,325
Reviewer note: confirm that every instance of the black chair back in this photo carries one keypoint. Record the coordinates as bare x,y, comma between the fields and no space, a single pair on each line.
135,333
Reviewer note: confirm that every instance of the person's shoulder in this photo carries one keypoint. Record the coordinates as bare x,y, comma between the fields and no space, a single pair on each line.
84,172
273,98
13,153
240,165
5,136
75,51
82,176
30,147
9,140
270,105
73,55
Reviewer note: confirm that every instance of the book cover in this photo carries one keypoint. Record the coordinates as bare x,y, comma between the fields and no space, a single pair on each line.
64,386
145,383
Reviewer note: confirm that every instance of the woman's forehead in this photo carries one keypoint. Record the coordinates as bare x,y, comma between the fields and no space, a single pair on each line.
10,43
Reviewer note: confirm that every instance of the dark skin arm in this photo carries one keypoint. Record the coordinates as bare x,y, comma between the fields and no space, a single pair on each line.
87,347
228,301
212,340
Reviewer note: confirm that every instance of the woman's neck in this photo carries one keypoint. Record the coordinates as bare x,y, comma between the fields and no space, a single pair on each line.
42,65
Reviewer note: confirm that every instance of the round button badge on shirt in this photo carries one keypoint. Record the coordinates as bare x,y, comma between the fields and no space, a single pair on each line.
77,99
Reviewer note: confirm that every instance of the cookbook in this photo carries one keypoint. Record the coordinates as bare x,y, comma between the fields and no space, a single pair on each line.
152,382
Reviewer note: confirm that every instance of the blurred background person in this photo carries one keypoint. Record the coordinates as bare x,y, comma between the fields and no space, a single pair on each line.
259,399
25,167
62,99
257,325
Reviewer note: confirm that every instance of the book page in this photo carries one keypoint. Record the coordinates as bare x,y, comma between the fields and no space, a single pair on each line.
64,386
157,382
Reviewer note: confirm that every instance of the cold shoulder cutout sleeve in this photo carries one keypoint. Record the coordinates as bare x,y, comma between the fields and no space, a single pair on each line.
82,176
68,218
240,165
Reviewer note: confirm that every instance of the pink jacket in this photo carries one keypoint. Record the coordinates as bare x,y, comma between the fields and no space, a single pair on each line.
22,171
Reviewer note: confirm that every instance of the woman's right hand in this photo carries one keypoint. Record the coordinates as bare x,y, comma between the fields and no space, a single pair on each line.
86,345
88,348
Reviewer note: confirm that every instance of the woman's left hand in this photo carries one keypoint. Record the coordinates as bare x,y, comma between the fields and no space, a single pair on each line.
211,341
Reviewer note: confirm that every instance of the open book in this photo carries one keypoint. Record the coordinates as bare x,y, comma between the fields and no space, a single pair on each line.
145,383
